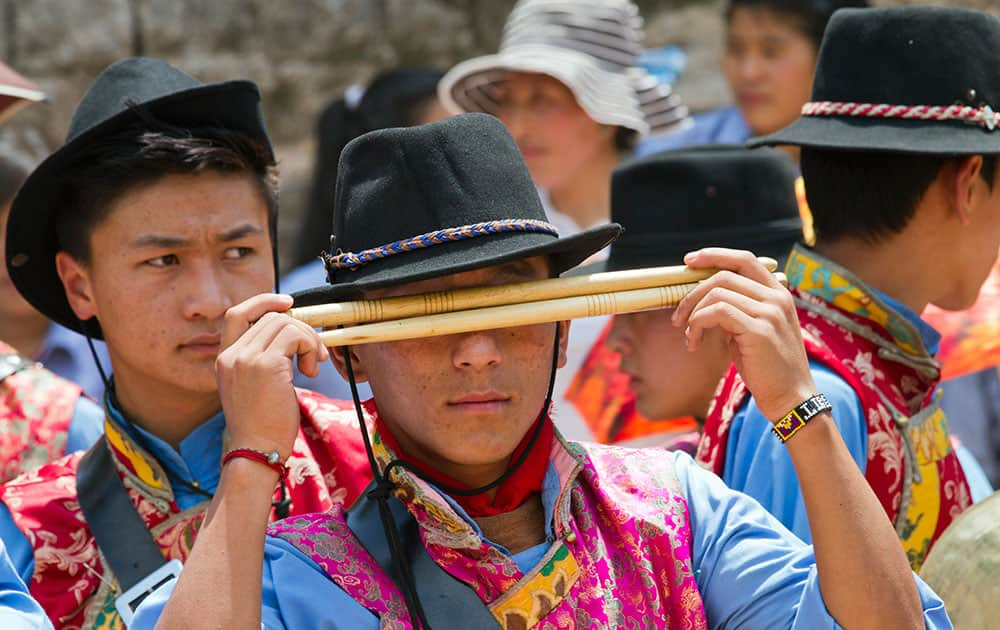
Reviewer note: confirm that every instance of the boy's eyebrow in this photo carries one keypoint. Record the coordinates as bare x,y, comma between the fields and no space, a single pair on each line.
240,231
167,242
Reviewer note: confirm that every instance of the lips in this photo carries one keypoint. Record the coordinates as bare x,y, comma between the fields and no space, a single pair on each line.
202,343
481,401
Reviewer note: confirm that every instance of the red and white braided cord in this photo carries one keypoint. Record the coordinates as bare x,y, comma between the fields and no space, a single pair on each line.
984,115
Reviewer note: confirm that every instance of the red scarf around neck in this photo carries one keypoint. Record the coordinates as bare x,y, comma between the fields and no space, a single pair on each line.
521,484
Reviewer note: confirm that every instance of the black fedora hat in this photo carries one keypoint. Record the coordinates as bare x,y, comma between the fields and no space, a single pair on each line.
674,202
434,200
916,79
121,96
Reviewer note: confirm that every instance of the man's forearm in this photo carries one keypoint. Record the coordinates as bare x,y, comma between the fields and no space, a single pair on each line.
220,586
863,572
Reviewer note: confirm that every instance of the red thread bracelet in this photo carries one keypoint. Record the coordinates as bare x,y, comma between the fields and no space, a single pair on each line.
272,459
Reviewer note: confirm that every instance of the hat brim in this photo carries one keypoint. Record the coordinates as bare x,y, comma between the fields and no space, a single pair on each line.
885,135
32,242
563,253
607,97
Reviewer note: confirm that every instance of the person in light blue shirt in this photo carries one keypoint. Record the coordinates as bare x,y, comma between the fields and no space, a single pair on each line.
18,611
770,53
453,410
750,570
756,467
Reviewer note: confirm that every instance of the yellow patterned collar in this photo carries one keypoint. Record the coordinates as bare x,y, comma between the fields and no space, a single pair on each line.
810,273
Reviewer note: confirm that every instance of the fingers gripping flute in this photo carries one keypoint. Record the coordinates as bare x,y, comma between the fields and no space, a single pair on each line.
523,304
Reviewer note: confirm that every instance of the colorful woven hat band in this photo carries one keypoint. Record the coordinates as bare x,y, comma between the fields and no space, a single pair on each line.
983,115
354,261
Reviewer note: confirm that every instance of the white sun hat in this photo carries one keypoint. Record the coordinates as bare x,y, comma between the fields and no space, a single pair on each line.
591,46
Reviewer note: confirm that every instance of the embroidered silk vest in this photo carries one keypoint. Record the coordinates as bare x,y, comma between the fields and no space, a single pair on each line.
36,408
911,465
72,582
622,555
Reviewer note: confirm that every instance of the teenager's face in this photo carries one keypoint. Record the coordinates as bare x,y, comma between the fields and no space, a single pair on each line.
167,262
461,403
13,307
668,381
769,66
555,135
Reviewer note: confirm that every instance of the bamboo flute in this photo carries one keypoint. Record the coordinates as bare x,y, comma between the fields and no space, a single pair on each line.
439,302
508,315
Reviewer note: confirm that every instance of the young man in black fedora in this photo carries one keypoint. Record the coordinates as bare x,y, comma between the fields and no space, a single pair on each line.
899,147
672,203
156,216
481,515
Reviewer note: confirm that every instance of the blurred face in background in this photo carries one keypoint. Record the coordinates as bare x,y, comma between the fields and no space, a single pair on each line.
668,381
769,65
556,136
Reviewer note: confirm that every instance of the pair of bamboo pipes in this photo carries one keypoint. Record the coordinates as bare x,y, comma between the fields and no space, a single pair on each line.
486,308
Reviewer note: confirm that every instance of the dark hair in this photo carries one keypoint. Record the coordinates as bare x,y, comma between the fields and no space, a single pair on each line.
809,17
870,195
143,153
396,98
13,171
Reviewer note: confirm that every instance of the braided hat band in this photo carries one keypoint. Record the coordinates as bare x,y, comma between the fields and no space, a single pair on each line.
353,262
983,115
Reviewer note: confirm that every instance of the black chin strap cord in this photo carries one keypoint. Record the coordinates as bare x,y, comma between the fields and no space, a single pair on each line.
384,485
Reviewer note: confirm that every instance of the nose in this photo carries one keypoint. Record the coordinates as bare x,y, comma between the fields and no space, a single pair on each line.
512,117
618,338
477,351
206,292
751,67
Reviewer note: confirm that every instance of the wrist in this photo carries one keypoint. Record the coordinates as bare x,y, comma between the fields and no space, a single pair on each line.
779,406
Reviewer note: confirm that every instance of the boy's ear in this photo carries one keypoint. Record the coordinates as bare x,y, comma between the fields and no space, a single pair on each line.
968,186
76,281
357,365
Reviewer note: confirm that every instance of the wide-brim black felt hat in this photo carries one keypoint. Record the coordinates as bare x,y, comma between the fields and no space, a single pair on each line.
121,96
435,200
674,202
885,78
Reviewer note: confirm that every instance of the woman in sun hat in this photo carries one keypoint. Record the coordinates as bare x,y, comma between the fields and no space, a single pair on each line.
567,84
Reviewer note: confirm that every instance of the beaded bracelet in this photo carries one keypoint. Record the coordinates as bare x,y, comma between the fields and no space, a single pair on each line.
272,459
794,420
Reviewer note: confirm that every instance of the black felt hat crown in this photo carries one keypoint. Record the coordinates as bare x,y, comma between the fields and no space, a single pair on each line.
916,79
122,94
674,202
434,200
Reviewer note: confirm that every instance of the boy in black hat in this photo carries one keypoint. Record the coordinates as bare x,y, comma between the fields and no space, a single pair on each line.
899,148
672,203
481,515
155,217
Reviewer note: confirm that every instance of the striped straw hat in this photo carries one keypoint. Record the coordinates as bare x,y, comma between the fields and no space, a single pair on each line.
591,46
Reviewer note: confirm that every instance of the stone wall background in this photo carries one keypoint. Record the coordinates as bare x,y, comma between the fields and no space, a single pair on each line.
302,53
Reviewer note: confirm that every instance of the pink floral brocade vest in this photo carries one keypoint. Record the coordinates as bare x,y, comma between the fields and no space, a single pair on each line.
621,558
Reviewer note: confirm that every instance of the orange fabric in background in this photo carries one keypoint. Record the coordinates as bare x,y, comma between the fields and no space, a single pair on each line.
601,394
970,339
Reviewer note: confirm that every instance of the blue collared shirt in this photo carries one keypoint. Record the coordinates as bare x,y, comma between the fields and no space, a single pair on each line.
329,382
198,459
65,352
720,126
18,610
751,571
759,465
